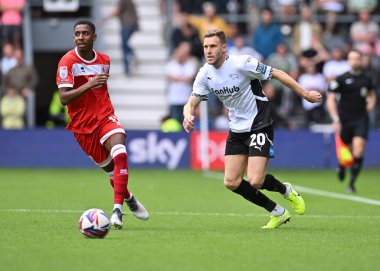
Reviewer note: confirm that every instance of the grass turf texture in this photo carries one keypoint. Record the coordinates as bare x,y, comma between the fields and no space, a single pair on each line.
195,224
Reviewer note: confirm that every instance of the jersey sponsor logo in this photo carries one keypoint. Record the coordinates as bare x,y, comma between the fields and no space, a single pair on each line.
364,92
334,84
261,68
105,68
225,90
349,81
234,76
80,69
63,72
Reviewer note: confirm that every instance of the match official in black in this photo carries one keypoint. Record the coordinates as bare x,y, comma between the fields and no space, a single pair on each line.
351,97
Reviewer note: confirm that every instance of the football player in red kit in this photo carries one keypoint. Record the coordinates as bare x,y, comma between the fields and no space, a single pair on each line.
82,82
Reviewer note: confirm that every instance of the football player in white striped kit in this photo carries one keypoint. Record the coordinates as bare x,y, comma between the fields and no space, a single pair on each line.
235,80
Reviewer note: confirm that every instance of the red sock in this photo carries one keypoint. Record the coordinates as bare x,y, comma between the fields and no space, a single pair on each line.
120,179
128,195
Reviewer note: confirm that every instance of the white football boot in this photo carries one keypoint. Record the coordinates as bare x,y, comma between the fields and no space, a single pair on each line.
137,209
116,219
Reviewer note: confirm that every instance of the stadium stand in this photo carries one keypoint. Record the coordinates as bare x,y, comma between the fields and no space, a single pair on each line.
139,99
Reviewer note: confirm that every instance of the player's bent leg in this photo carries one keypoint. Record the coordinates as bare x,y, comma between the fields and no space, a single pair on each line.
137,209
341,173
358,147
231,184
274,185
279,215
276,221
256,170
234,169
355,170
116,217
296,201
235,166
119,155
255,196
119,181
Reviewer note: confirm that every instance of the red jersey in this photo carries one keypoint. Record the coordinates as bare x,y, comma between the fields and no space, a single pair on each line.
92,107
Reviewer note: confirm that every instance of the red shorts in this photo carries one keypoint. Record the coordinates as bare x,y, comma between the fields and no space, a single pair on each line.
92,144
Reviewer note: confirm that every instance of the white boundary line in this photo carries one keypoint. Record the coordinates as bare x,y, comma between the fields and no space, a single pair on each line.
158,213
218,175
337,195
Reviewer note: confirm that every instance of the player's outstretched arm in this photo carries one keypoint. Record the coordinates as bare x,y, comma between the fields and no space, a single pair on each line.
68,95
284,78
189,113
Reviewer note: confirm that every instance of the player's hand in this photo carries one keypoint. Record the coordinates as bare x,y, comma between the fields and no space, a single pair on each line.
337,127
99,80
188,124
370,107
313,96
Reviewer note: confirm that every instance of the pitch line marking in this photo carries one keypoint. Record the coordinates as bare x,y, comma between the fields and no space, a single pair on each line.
196,214
337,195
312,191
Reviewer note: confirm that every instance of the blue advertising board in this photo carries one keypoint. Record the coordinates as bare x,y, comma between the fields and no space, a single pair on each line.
58,148
153,149
158,150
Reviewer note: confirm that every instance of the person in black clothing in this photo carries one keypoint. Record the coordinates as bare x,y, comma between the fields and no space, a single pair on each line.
187,33
350,113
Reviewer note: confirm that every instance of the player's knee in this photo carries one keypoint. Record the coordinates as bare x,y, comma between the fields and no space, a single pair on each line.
231,184
257,181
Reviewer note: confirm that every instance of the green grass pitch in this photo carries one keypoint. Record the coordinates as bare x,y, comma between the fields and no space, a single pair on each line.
196,224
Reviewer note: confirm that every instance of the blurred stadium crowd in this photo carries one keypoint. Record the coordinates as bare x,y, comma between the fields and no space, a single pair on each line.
307,39
18,79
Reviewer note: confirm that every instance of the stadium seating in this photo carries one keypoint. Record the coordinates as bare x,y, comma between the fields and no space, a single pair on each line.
139,99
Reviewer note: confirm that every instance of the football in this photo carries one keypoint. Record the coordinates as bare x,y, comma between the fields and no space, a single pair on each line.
94,223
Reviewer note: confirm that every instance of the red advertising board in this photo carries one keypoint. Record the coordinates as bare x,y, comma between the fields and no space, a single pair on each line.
216,148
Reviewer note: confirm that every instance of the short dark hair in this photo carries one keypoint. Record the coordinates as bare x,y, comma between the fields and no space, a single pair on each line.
86,22
216,33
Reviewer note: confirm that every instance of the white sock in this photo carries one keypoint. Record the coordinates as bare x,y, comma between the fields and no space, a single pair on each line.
278,210
118,206
288,191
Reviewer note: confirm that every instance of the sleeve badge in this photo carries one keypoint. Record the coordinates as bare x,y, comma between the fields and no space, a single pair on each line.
63,72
